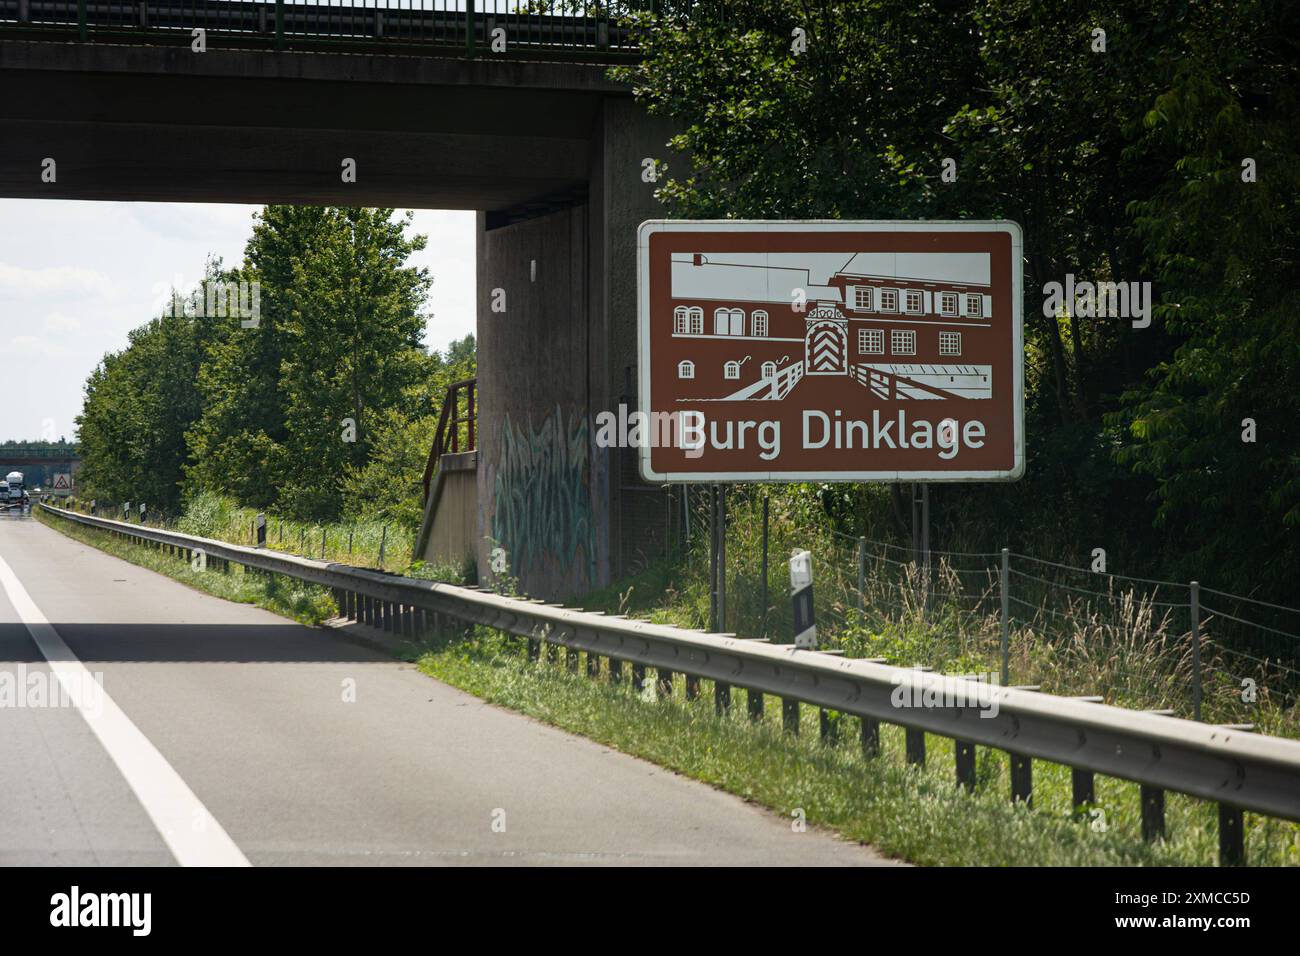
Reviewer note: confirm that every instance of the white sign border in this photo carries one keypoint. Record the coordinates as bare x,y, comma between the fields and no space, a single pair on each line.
652,226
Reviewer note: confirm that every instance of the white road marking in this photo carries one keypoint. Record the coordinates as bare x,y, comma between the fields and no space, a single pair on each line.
192,834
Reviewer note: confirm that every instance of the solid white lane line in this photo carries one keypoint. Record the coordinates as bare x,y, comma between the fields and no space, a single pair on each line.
192,834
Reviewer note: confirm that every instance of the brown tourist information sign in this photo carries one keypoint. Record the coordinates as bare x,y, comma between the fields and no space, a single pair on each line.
830,351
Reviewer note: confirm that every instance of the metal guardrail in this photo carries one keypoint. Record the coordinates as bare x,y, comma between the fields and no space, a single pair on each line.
1240,771
467,28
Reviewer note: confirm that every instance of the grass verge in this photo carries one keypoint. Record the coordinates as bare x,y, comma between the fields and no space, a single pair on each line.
909,812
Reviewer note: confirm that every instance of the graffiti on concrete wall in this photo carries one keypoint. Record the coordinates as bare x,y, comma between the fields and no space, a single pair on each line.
542,514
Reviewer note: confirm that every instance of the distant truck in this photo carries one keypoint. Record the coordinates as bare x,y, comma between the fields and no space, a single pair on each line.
15,493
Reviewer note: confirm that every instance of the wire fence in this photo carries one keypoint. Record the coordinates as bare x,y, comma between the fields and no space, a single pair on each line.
1142,642
379,545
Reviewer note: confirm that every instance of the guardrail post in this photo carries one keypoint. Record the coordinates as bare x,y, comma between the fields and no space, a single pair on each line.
593,664
1006,616
1153,813
790,715
1232,848
829,727
638,677
915,745
615,671
534,650
665,684
571,659
1083,787
754,704
964,752
1022,779
870,737
1195,608
721,698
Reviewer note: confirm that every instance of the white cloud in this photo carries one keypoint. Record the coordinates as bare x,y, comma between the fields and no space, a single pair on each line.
58,322
21,283
30,345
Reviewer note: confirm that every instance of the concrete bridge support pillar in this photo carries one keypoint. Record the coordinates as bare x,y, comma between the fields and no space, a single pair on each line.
557,316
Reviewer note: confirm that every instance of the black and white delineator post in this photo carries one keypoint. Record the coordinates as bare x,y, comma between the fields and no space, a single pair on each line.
261,531
126,511
801,593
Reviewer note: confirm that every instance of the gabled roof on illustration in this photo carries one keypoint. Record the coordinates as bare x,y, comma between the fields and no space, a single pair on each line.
773,277
969,268
735,282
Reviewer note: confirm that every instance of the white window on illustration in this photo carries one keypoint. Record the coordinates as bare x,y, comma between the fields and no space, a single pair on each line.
950,343
695,316
902,342
769,370
681,320
975,306
947,303
759,322
729,322
888,300
862,297
731,370
912,301
685,369
871,341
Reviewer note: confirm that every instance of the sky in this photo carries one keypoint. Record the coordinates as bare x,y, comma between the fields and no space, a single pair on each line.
76,277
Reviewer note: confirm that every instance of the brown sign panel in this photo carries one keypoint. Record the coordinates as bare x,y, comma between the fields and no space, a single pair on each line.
830,351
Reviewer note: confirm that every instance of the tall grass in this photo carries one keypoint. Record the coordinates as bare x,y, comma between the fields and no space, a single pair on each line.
368,543
1130,645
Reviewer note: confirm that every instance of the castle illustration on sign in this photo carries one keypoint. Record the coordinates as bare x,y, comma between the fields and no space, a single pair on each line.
751,326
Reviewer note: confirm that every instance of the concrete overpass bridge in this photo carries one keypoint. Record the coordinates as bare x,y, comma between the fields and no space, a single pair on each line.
536,138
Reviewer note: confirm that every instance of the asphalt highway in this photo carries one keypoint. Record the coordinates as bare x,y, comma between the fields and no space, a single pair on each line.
225,735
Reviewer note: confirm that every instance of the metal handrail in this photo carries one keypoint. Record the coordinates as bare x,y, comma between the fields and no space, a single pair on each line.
1237,769
448,431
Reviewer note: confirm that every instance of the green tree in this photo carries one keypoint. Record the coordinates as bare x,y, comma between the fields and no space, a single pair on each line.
139,404
390,484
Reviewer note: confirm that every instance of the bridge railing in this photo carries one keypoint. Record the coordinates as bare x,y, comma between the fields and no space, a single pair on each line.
499,28
1239,771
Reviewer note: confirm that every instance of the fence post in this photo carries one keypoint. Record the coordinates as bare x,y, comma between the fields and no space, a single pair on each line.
862,573
1006,616
469,28
82,29
1196,649
279,24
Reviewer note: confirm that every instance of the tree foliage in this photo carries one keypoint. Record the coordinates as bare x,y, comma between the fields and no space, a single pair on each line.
289,409
1123,164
